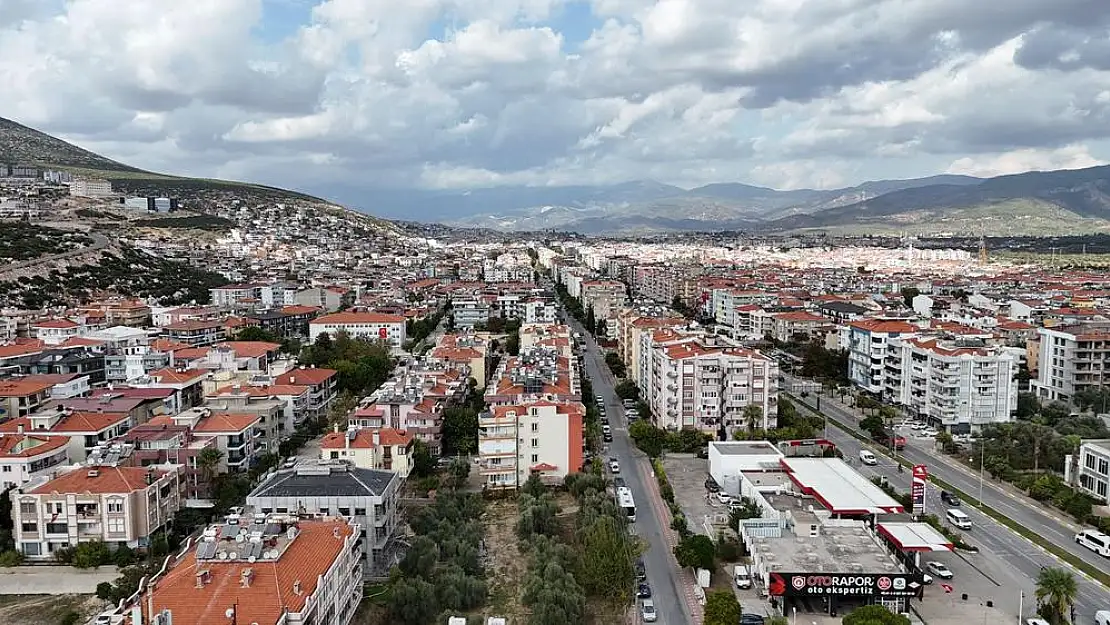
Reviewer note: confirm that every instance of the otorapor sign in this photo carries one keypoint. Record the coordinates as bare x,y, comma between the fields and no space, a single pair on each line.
846,585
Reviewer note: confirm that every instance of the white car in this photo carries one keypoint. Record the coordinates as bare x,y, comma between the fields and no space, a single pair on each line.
724,497
938,569
647,611
614,466
868,458
917,425
929,433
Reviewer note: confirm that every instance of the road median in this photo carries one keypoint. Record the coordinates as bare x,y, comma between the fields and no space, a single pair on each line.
1081,565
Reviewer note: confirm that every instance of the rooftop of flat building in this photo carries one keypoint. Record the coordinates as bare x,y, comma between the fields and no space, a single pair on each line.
819,544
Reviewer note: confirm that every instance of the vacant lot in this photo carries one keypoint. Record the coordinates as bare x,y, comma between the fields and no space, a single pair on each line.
47,609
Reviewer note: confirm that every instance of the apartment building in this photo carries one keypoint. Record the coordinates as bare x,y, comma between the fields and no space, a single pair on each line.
795,324
413,400
957,385
240,437
1072,358
867,341
385,449
547,336
195,333
268,570
321,387
186,386
537,374
465,352
470,311
18,398
162,441
293,400
605,297
118,505
235,295
55,331
706,386
541,438
538,310
366,497
83,431
24,457
1091,474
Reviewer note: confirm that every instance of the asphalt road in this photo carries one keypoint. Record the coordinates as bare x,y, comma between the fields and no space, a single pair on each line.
1012,553
669,597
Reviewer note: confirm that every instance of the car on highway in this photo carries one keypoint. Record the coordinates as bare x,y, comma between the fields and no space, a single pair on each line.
647,611
643,591
938,569
868,458
614,466
950,498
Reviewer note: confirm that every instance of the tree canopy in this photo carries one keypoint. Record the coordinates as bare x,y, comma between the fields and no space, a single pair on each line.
722,608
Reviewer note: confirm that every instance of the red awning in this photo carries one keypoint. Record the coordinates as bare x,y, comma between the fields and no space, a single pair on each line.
543,466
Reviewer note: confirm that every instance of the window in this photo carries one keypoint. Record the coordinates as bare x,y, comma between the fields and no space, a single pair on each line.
360,511
115,507
29,527
282,510
535,428
535,443
27,508
324,511
56,528
54,507
1103,466
535,458
115,526
344,512
7,468
334,455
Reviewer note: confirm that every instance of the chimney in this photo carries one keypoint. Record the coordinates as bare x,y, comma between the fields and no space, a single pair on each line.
297,588
335,428
376,437
19,428
292,380
245,577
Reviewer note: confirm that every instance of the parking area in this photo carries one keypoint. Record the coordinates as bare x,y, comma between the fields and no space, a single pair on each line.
687,475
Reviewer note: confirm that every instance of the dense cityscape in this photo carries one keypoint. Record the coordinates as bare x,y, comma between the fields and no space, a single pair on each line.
554,312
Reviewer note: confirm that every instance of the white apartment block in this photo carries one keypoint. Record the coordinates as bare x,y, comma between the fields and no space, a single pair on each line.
515,441
86,187
605,297
958,386
539,311
1093,469
867,350
705,386
1071,359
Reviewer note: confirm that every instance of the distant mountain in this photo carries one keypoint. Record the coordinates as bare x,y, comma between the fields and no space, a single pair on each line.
1053,202
24,145
633,208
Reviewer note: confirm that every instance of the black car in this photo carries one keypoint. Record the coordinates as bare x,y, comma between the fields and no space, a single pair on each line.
605,421
608,438
641,571
950,498
751,619
618,482
711,485
643,591
702,453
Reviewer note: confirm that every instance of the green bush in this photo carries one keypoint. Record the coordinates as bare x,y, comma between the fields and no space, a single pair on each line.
124,556
91,555
64,555
11,558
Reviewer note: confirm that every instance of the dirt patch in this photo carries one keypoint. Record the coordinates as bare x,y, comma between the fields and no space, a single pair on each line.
505,564
47,609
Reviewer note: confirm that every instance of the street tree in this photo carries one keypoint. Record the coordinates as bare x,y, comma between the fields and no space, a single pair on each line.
412,601
605,567
721,608
423,464
696,551
647,437
1056,593
627,389
752,416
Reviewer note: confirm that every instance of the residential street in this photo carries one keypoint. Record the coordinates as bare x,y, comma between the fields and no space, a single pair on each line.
1007,561
652,520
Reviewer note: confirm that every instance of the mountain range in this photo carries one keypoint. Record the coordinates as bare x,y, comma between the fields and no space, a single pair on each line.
1033,203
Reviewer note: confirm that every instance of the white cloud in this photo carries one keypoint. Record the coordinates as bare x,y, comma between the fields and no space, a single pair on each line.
1068,157
450,93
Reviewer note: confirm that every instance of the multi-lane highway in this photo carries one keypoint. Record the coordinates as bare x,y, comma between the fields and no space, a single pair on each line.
1008,561
669,596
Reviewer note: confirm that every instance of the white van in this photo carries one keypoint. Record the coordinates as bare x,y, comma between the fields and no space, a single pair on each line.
1096,541
958,518
742,576
1102,617
866,457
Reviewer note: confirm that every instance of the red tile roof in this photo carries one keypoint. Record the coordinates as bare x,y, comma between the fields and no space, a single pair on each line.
29,445
364,438
219,423
305,376
250,349
23,388
108,480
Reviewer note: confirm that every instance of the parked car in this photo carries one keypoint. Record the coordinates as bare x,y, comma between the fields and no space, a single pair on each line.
618,482
614,466
702,453
711,484
605,421
607,437
600,400
643,591
724,497
752,619
929,433
647,611
938,569
742,576
950,498
641,571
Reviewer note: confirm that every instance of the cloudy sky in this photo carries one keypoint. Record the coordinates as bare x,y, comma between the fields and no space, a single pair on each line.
317,94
